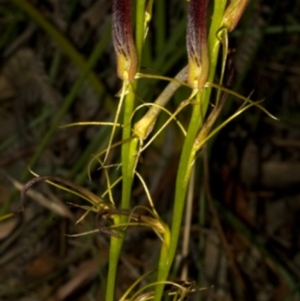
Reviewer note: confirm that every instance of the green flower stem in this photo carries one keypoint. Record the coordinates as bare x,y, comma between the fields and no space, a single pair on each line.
128,164
62,42
189,152
183,176
129,151
214,48
114,254
214,42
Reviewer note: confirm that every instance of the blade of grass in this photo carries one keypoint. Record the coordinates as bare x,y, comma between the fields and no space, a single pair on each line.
70,98
63,43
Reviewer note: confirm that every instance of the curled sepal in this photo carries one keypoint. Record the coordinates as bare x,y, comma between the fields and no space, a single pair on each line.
134,220
123,39
197,47
233,13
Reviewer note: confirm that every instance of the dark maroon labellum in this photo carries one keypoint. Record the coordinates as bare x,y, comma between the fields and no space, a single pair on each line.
197,43
123,39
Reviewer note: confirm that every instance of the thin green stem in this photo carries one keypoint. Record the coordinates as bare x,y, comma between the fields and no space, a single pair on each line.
214,42
128,150
184,171
114,254
189,152
128,153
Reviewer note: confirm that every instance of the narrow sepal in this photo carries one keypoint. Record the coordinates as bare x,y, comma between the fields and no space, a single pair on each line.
233,13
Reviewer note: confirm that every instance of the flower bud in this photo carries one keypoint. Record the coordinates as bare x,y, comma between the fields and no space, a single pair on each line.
233,13
197,47
123,39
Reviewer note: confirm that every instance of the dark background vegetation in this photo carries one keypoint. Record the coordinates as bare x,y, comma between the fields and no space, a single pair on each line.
254,162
